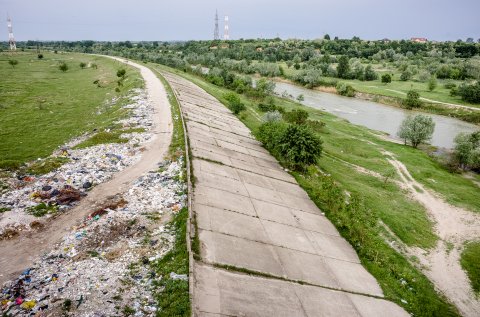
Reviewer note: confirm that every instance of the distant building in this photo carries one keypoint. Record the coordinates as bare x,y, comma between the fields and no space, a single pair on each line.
385,40
419,40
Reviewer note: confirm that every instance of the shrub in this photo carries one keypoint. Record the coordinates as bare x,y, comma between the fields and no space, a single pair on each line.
386,78
266,107
272,116
412,100
406,75
470,93
121,73
299,146
432,83
63,67
297,116
93,65
234,102
40,56
449,85
269,134
370,73
300,98
13,62
345,90
83,65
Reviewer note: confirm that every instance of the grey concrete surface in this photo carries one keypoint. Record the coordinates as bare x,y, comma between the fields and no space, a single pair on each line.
254,218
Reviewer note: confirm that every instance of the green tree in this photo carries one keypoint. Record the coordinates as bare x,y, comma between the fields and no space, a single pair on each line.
412,100
326,37
63,67
343,68
416,130
386,78
470,93
13,62
467,150
406,75
432,83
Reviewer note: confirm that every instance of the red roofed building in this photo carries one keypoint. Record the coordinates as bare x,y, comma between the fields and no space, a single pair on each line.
419,40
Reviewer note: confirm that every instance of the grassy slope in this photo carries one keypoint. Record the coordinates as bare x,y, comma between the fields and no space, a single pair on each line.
471,263
42,107
378,200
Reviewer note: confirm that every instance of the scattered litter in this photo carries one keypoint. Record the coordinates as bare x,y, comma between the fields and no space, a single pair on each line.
86,168
105,262
175,276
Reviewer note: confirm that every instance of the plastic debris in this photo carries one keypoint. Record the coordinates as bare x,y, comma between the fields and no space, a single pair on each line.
105,261
175,276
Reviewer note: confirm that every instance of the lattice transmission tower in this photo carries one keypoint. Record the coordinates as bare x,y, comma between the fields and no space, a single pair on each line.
226,35
216,33
11,38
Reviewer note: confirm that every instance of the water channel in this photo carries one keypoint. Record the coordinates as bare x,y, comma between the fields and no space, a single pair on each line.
374,115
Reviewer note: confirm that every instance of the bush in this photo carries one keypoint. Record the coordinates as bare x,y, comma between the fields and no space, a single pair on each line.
13,62
40,56
470,93
297,116
345,90
63,67
121,73
406,75
296,145
299,147
83,65
272,116
432,83
386,78
412,100
449,85
266,107
370,73
234,102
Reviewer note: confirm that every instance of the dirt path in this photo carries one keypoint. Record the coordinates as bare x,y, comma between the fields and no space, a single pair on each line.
454,226
19,253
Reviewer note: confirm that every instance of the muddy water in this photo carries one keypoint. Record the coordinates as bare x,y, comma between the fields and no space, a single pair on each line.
374,115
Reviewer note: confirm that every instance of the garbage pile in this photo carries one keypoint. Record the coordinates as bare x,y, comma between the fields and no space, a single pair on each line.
31,196
102,267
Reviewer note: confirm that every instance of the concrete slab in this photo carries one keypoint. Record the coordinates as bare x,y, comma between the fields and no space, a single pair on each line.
220,182
262,193
238,252
353,277
288,237
243,295
334,247
255,179
230,223
274,212
372,307
214,168
306,267
223,200
314,222
207,155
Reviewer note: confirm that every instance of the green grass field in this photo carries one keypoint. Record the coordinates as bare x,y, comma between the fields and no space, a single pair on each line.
376,199
42,107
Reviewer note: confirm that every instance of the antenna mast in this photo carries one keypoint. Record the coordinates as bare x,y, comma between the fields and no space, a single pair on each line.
226,35
11,38
216,33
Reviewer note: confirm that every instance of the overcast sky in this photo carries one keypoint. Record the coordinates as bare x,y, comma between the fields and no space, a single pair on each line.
115,20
